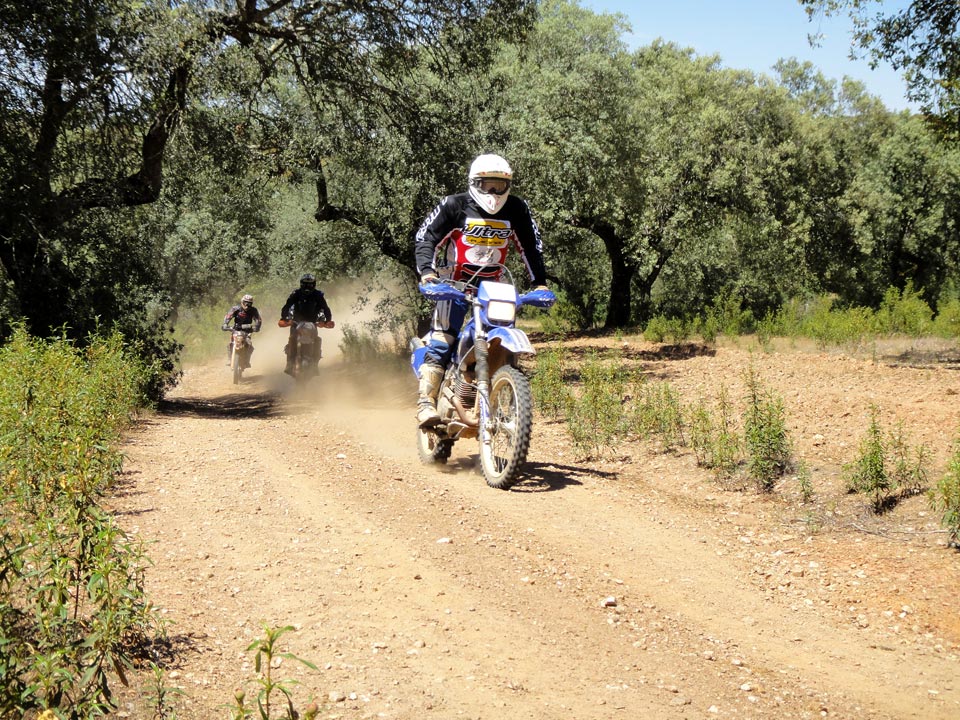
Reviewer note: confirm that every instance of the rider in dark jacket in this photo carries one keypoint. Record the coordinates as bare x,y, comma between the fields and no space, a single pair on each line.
305,304
244,316
463,235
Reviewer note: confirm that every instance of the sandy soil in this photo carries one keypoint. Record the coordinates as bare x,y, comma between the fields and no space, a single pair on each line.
628,587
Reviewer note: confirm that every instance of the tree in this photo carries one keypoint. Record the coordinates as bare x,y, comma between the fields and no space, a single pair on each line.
649,152
94,91
922,40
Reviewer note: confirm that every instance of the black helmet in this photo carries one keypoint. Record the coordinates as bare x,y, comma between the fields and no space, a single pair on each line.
308,282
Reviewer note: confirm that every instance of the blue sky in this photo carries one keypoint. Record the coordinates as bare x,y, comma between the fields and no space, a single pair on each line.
754,34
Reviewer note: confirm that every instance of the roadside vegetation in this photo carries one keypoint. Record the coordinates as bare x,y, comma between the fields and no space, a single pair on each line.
606,402
73,614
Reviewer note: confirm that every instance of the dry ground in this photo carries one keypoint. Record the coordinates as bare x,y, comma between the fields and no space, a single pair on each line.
629,587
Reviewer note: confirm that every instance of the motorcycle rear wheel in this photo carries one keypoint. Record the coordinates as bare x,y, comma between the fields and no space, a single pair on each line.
433,449
511,418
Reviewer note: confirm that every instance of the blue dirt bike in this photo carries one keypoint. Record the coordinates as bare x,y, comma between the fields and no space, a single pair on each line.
484,394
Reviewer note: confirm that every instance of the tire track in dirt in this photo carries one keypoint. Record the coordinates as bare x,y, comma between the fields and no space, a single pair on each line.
422,593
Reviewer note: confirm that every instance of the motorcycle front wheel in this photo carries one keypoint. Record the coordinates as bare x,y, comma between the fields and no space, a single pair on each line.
511,422
432,448
237,369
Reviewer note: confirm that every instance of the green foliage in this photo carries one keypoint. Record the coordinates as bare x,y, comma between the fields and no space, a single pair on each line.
550,391
657,410
765,434
947,321
868,474
727,314
72,606
903,312
804,480
266,652
595,419
715,438
885,465
945,497
660,329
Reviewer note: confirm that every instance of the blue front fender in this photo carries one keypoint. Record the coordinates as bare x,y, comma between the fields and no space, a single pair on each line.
512,339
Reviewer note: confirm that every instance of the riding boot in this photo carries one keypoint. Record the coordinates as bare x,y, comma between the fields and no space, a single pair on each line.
430,378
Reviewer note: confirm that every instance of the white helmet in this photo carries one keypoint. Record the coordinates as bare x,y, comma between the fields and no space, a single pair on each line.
490,177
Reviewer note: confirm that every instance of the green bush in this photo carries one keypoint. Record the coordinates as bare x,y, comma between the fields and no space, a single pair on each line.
595,415
660,329
886,464
945,497
550,392
947,322
728,315
765,434
72,607
714,437
903,313
658,410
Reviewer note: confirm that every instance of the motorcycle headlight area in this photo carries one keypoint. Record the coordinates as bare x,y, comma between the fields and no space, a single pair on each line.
500,311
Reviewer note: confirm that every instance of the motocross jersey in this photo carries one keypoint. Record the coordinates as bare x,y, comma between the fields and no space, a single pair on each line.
459,239
243,316
307,305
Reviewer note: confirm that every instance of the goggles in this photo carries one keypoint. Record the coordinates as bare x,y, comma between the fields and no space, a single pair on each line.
491,185
246,303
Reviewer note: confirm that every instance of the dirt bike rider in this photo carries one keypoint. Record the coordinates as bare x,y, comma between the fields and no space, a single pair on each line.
305,304
465,232
245,316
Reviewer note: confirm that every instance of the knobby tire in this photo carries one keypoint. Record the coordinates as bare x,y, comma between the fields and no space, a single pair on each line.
511,416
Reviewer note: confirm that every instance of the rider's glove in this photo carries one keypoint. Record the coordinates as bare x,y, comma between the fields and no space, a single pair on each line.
429,277
246,327
225,326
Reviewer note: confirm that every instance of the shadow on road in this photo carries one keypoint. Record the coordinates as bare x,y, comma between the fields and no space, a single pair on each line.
546,477
235,405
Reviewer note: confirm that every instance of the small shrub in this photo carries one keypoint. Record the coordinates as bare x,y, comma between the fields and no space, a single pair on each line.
947,322
804,480
714,438
945,497
726,313
903,312
765,435
886,467
595,416
658,410
266,652
868,473
550,392
657,329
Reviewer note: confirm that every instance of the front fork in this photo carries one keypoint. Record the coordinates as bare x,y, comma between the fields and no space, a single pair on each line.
482,368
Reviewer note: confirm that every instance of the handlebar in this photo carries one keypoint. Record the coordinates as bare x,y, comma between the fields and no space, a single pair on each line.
458,289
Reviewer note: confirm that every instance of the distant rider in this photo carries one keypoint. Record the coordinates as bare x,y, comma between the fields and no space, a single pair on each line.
463,234
244,316
305,304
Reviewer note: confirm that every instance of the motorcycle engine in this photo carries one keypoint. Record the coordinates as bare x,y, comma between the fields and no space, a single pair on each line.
465,390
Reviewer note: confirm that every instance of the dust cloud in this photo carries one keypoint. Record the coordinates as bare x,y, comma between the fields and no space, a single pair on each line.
376,399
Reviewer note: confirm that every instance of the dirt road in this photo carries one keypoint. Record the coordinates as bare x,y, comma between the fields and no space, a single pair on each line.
630,588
